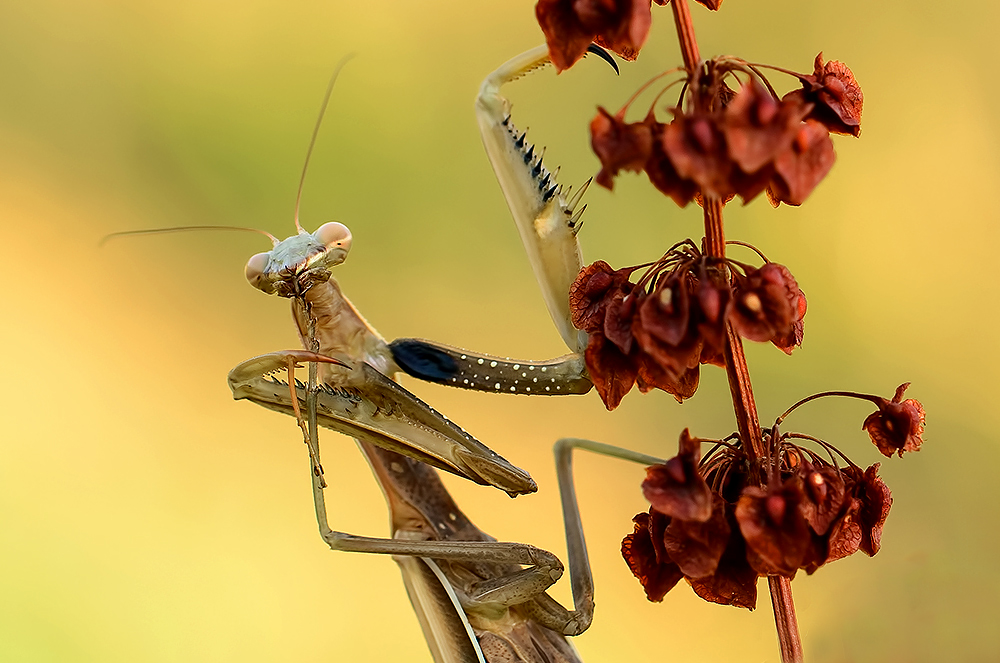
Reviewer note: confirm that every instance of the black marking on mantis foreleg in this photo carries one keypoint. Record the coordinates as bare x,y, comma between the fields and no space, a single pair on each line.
436,362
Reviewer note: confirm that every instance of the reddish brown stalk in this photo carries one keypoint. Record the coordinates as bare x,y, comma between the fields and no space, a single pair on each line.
745,408
784,618
685,33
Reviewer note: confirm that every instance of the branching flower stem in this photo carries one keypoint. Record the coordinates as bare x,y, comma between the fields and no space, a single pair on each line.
748,423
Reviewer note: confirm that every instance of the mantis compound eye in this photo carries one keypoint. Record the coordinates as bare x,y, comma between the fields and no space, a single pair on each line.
255,268
334,235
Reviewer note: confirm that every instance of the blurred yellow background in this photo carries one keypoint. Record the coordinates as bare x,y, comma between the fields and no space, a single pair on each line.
145,516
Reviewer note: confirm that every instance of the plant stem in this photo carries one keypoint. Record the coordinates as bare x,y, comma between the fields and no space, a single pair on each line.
784,617
748,423
685,33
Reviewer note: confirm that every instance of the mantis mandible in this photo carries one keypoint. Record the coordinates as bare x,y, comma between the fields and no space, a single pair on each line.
472,597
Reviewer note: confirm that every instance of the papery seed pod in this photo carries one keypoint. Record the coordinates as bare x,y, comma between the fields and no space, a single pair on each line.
571,25
898,425
619,145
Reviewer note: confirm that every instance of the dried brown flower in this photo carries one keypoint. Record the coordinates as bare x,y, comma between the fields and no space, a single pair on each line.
824,490
775,529
836,95
898,425
696,146
571,25
590,293
676,488
787,342
663,175
655,572
697,546
876,499
804,165
612,371
619,145
766,304
758,127
734,581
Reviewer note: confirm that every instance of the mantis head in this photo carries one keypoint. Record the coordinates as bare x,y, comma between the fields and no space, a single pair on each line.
298,263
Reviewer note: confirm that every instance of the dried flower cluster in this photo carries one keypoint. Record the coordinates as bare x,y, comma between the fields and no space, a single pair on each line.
727,143
761,502
718,142
656,333
714,522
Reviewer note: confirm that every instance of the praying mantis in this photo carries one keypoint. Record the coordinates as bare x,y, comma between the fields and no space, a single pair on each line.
477,599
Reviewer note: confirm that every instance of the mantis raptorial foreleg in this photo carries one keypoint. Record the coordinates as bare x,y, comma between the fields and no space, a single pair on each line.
547,221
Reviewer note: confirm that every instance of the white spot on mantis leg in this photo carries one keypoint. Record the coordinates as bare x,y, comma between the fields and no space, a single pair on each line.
517,366
452,517
464,357
513,389
480,361
493,364
497,385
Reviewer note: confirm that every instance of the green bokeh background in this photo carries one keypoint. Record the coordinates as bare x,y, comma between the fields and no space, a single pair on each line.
145,516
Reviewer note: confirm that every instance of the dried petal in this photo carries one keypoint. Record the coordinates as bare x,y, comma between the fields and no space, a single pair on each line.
898,425
661,171
876,499
677,488
714,300
665,313
772,523
817,553
618,317
767,302
656,577
697,149
845,535
590,293
836,94
758,127
696,547
803,165
612,372
618,145
665,329
571,25
793,338
652,376
825,493
734,581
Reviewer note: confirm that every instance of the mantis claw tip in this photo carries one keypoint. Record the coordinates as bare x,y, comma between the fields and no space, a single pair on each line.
604,55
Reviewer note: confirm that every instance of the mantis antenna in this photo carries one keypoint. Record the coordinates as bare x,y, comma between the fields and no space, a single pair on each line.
312,141
179,229
298,195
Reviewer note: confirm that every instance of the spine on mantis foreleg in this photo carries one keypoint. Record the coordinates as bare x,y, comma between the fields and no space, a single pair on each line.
455,367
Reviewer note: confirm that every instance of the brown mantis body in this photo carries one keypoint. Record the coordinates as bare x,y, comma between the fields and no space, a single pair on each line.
477,599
